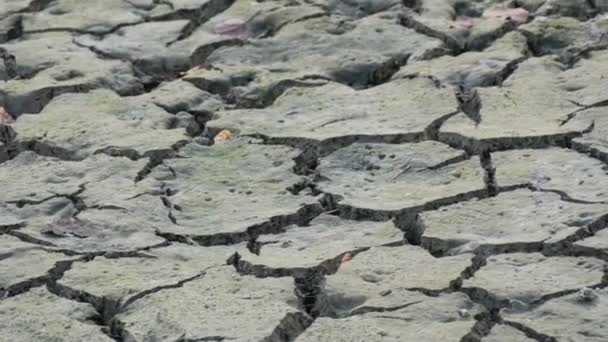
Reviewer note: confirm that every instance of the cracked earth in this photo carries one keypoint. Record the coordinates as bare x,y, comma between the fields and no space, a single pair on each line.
304,170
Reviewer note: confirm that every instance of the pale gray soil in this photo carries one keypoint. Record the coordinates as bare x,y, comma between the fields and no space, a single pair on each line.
304,170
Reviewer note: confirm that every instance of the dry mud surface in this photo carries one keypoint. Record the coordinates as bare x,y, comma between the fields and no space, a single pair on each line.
304,170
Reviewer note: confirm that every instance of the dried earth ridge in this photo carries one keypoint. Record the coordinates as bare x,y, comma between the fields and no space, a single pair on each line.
304,170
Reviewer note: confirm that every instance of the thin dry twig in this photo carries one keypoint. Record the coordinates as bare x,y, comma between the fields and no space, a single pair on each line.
405,167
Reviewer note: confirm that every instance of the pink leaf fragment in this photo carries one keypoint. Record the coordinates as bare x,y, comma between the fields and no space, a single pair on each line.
229,26
203,66
71,226
234,28
345,258
5,118
517,15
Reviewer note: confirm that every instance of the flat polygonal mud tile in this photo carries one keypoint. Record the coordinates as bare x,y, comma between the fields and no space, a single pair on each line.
10,245
594,142
511,218
357,9
33,178
180,9
51,64
394,177
227,188
562,96
23,264
579,176
79,125
121,279
272,17
255,74
221,304
474,68
532,5
585,84
369,276
145,45
528,277
569,318
178,96
447,317
565,37
582,10
39,315
586,81
441,19
242,21
13,6
505,333
8,220
98,16
117,214
598,241
26,268
324,238
529,104
185,4
335,110
129,227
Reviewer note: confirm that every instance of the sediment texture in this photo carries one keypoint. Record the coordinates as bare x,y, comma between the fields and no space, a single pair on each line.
303,170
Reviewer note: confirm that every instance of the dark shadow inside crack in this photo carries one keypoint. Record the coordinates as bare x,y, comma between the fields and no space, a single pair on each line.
471,9
199,16
245,90
531,333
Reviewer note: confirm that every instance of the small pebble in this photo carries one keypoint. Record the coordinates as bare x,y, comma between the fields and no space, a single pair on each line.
586,295
370,278
518,306
202,141
464,313
385,293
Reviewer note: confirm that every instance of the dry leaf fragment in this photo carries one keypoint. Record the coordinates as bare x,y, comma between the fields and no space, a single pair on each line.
194,68
234,27
223,135
345,258
229,26
71,226
5,117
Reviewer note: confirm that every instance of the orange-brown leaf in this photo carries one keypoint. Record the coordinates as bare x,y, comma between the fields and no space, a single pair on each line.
223,135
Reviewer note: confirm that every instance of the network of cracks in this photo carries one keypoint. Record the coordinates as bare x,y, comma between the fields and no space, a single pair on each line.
303,170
